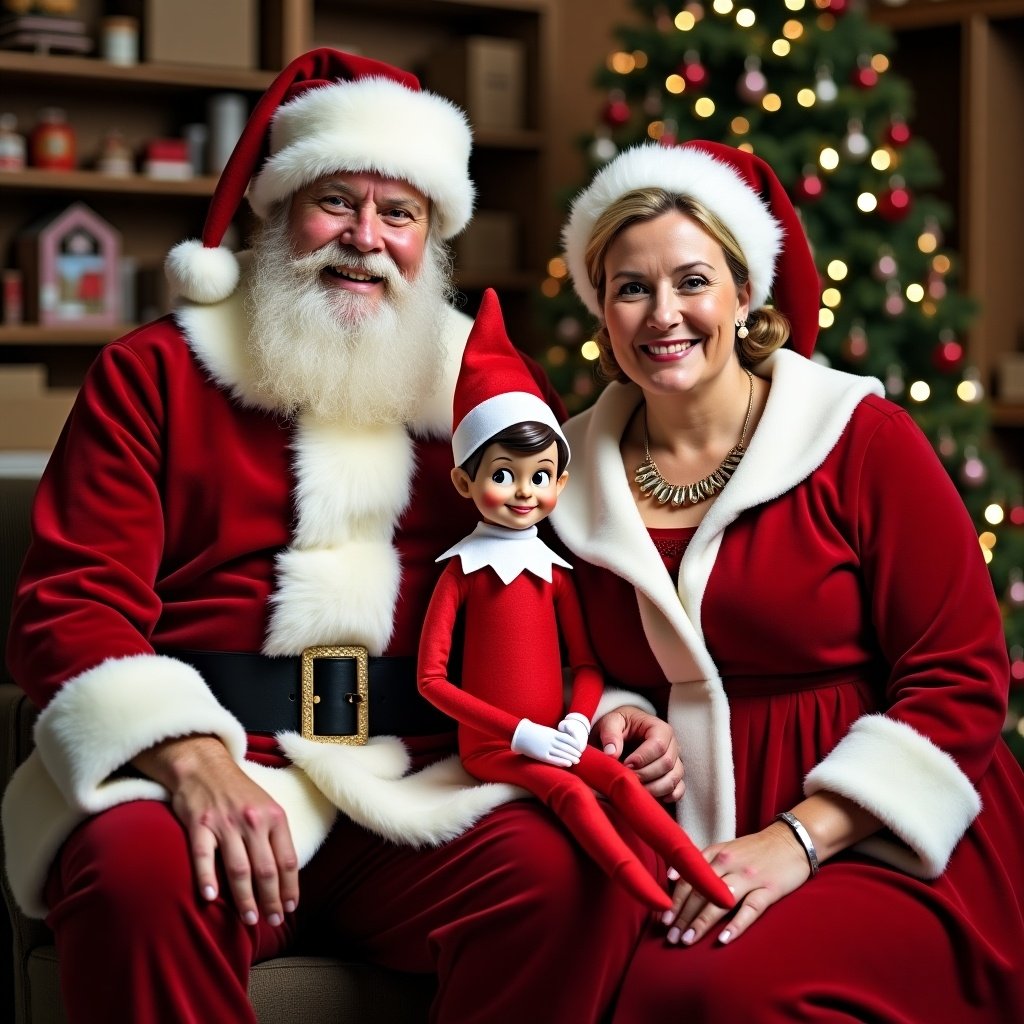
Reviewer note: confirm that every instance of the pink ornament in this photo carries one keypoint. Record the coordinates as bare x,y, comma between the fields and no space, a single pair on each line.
973,472
752,86
855,348
886,267
894,304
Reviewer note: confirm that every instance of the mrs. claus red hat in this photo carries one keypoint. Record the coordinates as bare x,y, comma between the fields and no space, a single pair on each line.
746,196
329,111
495,390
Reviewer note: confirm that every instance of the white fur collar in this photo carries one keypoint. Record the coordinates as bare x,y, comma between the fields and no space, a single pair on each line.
217,334
808,408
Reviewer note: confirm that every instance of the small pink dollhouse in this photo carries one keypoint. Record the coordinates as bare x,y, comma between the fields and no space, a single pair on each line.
70,261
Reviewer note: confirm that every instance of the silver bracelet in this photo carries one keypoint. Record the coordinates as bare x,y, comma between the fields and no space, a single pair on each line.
804,836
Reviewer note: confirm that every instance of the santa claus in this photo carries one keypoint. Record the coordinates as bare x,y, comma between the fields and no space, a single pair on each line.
234,546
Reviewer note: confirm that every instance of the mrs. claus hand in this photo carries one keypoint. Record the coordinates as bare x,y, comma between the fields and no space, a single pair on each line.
656,758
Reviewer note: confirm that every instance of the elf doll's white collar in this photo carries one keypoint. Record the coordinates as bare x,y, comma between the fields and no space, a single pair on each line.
508,552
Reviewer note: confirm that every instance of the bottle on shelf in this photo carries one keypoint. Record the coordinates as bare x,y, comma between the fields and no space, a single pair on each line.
12,144
52,142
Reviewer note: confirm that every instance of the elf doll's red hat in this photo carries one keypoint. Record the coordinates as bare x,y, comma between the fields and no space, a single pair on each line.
329,111
495,390
746,196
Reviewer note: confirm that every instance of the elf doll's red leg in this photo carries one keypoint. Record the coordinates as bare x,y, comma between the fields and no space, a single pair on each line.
651,822
136,943
579,810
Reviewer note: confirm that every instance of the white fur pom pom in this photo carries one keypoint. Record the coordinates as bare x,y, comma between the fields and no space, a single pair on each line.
201,274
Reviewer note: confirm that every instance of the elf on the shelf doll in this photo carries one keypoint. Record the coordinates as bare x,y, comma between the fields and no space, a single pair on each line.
516,597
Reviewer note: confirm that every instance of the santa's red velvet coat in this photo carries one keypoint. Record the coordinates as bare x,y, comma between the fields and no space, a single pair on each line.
834,627
194,516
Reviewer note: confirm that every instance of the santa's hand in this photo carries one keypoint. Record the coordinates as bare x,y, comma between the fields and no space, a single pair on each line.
577,726
543,743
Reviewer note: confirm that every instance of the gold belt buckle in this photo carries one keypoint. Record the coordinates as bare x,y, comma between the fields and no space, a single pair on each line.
361,698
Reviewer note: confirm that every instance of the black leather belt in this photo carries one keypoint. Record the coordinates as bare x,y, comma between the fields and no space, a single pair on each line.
331,694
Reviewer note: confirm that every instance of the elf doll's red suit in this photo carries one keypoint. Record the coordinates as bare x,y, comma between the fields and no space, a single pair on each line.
516,595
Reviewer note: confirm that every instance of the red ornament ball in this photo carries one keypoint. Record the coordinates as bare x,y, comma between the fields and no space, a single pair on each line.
616,113
865,77
894,203
947,356
898,133
809,188
1017,515
694,74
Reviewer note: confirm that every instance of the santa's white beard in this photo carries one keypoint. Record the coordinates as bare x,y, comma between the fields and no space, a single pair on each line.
337,354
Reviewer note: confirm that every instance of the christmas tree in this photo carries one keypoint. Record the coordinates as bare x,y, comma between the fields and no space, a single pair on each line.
807,85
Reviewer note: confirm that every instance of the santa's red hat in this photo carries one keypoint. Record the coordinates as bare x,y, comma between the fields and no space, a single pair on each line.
746,196
330,111
495,390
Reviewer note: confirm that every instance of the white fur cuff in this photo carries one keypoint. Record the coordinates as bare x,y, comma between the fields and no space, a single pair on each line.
104,717
916,789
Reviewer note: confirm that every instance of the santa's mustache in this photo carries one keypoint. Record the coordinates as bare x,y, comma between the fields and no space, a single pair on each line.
337,255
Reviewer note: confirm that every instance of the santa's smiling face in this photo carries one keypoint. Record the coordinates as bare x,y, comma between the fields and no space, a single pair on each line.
346,300
360,216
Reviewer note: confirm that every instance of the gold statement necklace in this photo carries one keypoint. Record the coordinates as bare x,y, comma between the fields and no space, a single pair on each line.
654,485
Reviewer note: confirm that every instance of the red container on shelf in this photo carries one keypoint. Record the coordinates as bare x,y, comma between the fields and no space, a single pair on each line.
52,142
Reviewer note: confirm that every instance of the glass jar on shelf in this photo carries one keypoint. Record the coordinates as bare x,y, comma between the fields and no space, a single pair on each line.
52,142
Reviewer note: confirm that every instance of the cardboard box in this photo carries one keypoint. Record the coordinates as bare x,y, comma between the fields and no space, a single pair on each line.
486,76
489,244
222,34
34,423
22,380
1011,377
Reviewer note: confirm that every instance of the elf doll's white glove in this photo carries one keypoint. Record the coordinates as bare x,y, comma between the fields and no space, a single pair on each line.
577,726
543,743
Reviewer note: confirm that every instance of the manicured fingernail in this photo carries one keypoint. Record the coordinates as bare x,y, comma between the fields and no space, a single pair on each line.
668,917
673,875
673,935
209,893
274,920
688,936
609,748
250,917
289,906
725,937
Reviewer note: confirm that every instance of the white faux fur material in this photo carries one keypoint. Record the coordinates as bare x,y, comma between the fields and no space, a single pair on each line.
917,790
201,274
497,413
369,783
101,719
373,125
95,725
690,172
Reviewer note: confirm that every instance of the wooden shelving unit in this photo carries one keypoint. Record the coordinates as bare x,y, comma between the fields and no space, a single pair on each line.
152,100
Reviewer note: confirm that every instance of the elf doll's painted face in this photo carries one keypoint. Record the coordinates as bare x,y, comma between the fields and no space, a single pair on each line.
513,489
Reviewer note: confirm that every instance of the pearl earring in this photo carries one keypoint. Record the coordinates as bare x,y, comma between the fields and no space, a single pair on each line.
741,329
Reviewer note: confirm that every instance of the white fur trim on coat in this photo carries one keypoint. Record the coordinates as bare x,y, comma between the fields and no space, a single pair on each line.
912,786
95,725
373,125
691,172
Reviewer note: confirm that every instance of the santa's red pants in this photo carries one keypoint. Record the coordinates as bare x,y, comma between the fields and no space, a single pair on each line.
517,922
